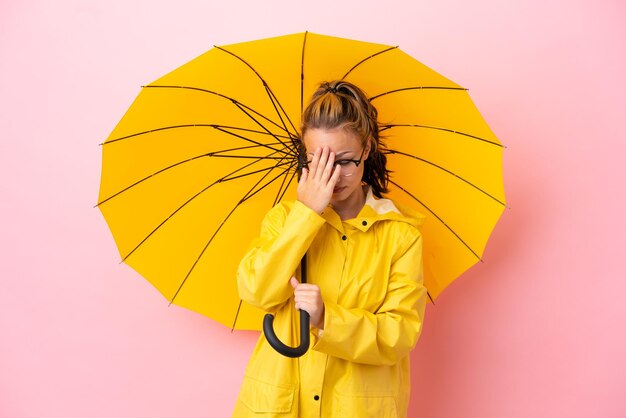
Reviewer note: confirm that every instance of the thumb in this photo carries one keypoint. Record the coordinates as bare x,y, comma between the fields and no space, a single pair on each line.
294,282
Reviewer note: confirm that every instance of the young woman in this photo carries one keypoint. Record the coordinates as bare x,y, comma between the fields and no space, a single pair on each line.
364,289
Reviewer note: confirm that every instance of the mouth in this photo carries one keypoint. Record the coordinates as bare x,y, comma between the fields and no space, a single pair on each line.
337,190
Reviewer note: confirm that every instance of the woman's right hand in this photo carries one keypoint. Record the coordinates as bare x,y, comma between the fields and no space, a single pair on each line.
317,183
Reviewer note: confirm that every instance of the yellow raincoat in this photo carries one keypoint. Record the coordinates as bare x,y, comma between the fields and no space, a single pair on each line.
369,270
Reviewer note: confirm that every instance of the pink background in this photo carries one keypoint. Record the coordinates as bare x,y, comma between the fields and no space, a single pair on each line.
536,330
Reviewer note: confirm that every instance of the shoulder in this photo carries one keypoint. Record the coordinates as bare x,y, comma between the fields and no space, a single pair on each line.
402,223
275,217
288,208
410,216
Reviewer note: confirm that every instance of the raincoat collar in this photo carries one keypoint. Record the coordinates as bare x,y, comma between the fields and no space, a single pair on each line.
375,210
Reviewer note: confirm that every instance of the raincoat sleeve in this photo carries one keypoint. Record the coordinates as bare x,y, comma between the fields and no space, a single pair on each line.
389,334
264,272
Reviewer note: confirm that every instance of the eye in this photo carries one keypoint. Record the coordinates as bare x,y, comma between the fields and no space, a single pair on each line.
343,163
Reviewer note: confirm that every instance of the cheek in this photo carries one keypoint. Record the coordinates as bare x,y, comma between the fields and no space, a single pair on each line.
352,181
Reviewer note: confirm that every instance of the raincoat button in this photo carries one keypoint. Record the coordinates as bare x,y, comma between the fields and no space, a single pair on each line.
364,223
316,397
343,237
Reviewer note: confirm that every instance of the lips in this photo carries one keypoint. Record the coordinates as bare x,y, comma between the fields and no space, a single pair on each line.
338,189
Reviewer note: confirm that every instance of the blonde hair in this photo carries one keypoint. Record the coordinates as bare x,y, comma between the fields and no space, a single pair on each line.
341,104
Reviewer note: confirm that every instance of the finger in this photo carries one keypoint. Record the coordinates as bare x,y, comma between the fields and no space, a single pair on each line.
328,168
304,297
312,300
304,176
306,287
335,177
323,160
293,282
304,307
315,161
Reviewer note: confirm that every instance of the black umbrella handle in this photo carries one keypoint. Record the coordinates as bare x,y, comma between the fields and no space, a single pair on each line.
305,340
278,345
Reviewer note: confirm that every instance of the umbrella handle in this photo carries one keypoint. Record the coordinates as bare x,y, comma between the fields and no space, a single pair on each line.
278,345
305,339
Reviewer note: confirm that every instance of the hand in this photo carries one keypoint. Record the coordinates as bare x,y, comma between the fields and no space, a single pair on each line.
316,184
309,298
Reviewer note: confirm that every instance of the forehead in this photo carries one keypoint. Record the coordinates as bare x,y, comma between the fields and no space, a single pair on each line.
337,140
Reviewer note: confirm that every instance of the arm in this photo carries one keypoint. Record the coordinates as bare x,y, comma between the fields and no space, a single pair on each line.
264,272
388,335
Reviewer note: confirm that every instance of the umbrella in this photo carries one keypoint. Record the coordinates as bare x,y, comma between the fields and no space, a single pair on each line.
204,151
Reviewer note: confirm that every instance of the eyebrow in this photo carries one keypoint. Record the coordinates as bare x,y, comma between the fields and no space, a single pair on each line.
339,154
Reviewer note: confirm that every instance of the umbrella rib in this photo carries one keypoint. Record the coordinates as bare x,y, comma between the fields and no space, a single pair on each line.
391,48
438,218
288,145
302,74
283,187
447,171
250,193
192,125
268,169
220,180
390,126
234,101
248,147
254,142
275,102
247,196
416,88
210,154
236,315
268,90
254,157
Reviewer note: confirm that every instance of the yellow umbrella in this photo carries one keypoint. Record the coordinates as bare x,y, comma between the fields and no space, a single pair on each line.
206,150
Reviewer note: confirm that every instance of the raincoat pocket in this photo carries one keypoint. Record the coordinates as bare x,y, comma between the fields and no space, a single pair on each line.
263,397
364,406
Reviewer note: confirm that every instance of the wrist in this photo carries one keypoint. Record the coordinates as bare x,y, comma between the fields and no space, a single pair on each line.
320,321
313,207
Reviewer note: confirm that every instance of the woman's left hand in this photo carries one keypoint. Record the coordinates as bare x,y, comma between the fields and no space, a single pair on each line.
309,298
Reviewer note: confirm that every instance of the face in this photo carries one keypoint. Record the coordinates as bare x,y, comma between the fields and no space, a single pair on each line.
346,146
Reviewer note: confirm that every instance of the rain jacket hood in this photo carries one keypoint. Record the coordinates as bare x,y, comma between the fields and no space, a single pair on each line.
369,270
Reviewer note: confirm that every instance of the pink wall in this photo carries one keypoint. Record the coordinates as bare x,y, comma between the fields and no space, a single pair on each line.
536,330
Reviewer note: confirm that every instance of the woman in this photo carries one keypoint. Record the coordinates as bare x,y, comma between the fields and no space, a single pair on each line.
364,290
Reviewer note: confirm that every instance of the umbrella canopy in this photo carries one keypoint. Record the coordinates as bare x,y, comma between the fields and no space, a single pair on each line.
206,150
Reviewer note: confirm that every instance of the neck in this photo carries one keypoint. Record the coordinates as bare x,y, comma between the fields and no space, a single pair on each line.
351,206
